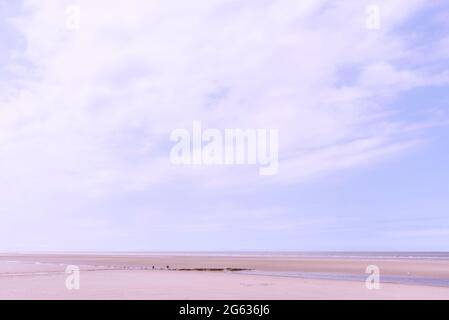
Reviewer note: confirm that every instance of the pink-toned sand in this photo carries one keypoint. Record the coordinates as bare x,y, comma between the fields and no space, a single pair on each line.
132,277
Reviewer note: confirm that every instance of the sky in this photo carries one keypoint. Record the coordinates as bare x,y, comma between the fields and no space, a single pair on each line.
90,91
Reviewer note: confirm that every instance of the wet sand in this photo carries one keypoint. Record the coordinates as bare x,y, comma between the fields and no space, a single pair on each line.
42,276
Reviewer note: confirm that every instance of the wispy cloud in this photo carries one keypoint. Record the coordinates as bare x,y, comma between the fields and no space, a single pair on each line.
86,114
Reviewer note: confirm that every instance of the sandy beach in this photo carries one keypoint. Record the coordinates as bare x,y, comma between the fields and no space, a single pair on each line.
107,276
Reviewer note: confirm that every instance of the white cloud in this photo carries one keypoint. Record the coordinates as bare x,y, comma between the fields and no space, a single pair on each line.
91,110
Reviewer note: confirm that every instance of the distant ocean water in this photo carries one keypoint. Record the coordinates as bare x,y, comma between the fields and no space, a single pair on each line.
369,255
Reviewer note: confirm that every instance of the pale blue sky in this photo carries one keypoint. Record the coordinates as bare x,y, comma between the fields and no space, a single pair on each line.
86,114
